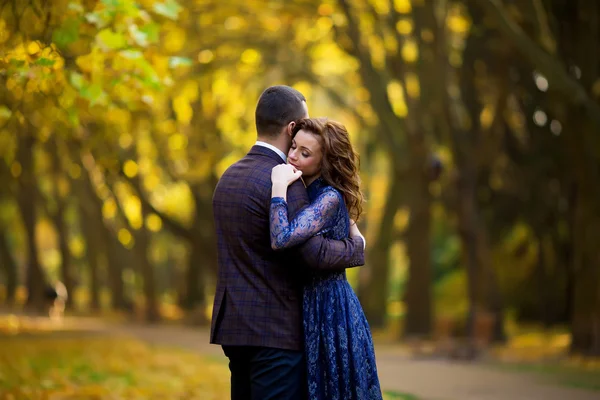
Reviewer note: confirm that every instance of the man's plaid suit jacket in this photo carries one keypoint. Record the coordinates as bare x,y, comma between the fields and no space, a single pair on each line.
258,299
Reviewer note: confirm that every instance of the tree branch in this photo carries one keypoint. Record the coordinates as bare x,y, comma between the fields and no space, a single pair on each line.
171,224
548,65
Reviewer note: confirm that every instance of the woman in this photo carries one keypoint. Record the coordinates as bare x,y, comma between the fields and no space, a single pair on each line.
339,348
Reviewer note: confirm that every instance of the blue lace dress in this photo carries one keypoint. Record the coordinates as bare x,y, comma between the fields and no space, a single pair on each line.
339,349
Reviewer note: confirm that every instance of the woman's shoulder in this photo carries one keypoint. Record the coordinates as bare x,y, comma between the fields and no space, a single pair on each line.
332,193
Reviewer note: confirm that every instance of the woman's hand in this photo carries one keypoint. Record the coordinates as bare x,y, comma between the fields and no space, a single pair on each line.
282,176
355,232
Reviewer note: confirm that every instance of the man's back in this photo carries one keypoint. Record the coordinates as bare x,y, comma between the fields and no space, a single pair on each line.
258,295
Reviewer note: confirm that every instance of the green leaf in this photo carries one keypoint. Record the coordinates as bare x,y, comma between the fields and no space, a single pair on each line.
77,80
44,62
5,112
99,18
111,40
111,3
140,37
175,62
152,31
67,33
131,54
75,7
169,9
73,116
17,63
94,94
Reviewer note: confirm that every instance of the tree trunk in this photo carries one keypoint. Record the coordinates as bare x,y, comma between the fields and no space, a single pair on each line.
468,232
141,247
65,254
374,294
93,252
203,255
107,243
419,305
35,280
10,268
115,263
585,324
58,218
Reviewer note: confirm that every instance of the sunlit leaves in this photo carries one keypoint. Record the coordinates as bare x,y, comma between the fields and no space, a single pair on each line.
167,8
109,40
183,110
410,51
153,223
67,33
130,168
175,62
396,95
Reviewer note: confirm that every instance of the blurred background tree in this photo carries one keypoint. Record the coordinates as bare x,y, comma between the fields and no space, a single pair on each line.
476,121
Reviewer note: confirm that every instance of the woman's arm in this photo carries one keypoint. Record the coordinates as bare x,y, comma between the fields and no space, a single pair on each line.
310,221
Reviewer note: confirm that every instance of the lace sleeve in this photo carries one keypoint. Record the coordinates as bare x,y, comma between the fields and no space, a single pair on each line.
310,221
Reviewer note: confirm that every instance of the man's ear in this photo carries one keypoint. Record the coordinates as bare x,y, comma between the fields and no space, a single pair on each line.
290,128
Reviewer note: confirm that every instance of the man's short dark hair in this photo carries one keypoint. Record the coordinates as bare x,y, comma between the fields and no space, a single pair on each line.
277,107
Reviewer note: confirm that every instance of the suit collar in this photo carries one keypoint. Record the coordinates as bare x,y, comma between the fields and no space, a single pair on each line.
265,151
275,149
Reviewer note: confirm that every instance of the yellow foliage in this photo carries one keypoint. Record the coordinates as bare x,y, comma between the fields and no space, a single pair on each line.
458,23
151,182
410,51
109,208
174,39
125,238
325,9
402,6
329,60
125,140
378,52
77,246
413,88
130,168
133,211
153,223
45,368
178,142
190,90
175,200
487,116
16,169
404,26
396,95
183,109
250,56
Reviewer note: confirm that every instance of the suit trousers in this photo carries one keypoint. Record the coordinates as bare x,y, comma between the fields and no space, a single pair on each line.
264,373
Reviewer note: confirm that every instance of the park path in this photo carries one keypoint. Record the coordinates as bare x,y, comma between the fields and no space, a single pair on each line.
398,372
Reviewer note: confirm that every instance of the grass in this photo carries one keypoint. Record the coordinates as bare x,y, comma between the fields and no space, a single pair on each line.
574,376
53,367
546,354
103,368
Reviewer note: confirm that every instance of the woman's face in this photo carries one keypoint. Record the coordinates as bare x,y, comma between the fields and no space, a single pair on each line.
306,155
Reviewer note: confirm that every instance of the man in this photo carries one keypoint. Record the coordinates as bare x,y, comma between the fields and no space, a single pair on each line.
257,313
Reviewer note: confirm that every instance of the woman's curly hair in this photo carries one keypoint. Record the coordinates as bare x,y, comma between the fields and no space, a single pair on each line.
340,163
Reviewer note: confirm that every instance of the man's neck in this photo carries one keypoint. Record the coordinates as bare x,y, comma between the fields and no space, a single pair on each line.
280,143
